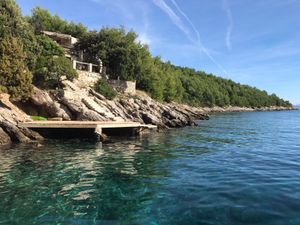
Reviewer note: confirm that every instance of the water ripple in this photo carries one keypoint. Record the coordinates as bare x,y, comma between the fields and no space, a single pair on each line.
237,168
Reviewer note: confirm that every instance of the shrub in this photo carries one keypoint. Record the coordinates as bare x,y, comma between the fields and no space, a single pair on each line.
49,70
49,47
105,89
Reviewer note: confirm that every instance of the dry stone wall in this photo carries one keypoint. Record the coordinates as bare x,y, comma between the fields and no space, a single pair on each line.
126,87
86,79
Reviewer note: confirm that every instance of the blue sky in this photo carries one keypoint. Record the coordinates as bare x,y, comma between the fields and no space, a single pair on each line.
255,42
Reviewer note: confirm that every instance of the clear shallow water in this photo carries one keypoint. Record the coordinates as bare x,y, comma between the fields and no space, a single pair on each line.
239,168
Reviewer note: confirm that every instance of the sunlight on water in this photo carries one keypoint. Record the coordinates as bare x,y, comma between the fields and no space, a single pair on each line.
237,168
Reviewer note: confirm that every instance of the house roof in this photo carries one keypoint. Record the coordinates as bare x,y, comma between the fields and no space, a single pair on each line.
59,35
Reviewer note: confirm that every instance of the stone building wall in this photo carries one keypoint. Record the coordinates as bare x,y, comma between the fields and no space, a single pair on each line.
126,87
86,79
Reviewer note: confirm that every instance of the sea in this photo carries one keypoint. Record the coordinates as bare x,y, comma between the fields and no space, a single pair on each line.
236,168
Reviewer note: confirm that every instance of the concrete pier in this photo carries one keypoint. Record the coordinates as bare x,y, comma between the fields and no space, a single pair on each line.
99,129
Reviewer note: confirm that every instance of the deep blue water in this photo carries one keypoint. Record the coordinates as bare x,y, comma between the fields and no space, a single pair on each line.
237,168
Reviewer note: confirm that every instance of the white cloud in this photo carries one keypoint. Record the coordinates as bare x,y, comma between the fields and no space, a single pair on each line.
227,10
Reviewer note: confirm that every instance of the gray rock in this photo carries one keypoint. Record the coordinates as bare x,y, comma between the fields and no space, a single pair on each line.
51,108
16,134
9,118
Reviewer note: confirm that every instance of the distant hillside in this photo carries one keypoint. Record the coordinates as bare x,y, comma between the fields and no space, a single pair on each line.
125,58
297,106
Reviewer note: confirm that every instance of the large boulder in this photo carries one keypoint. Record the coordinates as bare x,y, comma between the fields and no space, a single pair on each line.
10,116
47,106
10,111
14,132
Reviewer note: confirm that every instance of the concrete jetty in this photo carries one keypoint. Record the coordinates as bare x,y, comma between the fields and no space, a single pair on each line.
86,128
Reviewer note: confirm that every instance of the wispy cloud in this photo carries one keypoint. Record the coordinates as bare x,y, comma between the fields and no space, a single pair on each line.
184,23
227,10
173,16
189,21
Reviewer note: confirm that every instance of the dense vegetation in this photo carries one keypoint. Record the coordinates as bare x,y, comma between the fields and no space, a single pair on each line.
103,87
15,77
42,20
51,64
124,57
128,59
26,57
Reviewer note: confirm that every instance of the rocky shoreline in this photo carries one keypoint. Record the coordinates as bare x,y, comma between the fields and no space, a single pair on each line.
74,103
245,109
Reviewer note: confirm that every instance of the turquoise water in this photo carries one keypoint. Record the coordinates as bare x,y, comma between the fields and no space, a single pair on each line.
237,168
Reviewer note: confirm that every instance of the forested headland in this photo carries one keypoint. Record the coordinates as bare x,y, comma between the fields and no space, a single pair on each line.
29,58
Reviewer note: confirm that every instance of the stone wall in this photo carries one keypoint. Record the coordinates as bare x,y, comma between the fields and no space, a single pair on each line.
126,87
86,79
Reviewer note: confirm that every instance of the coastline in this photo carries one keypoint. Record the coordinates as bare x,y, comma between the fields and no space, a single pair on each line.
246,109
74,103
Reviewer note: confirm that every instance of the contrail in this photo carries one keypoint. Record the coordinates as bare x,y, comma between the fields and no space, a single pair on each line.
177,20
227,10
173,16
199,42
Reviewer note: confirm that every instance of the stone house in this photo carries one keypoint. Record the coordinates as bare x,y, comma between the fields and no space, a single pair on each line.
88,73
68,42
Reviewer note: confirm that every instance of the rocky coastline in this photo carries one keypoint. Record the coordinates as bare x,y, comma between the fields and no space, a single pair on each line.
74,103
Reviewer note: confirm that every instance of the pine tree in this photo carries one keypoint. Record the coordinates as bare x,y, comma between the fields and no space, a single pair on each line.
13,24
15,78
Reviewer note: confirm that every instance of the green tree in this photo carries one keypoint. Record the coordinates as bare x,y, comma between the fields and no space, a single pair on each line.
14,25
11,20
15,78
42,19
49,71
49,47
149,75
51,64
118,50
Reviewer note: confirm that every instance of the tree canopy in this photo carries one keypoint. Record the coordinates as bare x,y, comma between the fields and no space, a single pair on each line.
128,59
51,64
116,48
15,77
27,57
42,20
